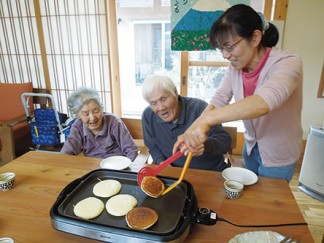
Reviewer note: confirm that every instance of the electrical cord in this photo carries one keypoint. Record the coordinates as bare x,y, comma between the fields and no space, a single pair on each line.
260,225
209,217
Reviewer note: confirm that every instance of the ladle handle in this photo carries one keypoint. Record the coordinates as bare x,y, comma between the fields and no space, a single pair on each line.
168,161
184,169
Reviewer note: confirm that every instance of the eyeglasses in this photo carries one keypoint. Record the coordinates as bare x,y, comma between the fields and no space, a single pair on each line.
228,47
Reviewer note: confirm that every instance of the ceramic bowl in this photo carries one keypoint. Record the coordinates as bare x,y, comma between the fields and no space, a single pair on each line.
243,175
7,181
6,240
233,189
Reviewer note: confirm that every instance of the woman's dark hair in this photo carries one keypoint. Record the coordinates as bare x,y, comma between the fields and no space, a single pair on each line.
243,20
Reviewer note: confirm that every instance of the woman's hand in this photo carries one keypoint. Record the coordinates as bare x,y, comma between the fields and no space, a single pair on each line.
196,150
193,139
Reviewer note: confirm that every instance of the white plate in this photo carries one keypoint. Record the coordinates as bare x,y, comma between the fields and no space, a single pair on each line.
115,163
245,176
257,236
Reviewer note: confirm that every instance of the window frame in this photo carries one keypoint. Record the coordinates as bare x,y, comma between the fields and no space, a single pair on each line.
163,23
277,9
320,92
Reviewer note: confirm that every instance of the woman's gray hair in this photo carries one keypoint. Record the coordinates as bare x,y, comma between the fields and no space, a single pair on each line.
158,82
80,97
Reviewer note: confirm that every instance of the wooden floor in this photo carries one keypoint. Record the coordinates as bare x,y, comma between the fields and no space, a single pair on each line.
312,209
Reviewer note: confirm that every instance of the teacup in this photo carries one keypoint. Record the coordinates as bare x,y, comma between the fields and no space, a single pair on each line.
7,181
233,189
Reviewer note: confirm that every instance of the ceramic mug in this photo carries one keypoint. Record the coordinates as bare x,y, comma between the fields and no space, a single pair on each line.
233,189
7,181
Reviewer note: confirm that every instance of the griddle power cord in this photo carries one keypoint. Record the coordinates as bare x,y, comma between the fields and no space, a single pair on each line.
209,217
260,225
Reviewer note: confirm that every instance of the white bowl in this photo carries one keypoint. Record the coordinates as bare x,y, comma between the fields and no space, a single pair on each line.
7,181
6,240
233,189
245,176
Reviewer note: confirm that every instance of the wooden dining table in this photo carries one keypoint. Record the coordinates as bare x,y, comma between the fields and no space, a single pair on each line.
41,176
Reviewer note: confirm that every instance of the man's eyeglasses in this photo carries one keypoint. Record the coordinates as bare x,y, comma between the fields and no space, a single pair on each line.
228,47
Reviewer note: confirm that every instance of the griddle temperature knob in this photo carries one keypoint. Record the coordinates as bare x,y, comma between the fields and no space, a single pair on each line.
206,216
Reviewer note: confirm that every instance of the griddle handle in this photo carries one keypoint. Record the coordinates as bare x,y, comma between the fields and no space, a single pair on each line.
70,187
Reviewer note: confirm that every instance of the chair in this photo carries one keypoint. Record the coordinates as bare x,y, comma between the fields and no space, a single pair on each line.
14,129
230,159
233,133
15,135
135,128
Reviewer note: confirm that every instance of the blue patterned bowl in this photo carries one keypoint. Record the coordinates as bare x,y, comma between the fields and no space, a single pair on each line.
233,189
7,181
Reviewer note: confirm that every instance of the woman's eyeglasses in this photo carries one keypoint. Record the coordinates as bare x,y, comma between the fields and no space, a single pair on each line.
228,47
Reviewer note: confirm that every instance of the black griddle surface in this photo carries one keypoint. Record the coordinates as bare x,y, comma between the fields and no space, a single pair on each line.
169,207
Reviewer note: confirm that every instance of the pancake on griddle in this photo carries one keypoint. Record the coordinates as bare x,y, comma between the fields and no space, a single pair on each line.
141,218
89,208
107,188
121,204
152,186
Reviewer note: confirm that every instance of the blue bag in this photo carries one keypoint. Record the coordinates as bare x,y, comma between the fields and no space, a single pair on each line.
45,130
44,134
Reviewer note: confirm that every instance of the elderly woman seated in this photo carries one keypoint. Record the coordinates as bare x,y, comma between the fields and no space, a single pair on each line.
95,133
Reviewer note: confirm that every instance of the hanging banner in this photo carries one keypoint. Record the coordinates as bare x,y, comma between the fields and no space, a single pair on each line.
191,21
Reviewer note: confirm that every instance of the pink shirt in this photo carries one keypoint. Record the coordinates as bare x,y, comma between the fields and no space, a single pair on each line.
279,133
250,80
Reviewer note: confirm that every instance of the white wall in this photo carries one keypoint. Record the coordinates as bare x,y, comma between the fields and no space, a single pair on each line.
304,35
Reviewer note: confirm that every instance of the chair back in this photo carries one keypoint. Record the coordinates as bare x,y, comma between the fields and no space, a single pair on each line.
233,133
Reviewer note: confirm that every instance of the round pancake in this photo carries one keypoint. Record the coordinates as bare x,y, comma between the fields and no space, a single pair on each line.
106,188
152,186
89,208
121,204
141,218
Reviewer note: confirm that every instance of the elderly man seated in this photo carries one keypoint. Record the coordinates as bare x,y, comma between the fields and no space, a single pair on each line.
169,115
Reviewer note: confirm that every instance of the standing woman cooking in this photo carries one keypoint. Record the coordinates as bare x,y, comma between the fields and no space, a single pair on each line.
266,84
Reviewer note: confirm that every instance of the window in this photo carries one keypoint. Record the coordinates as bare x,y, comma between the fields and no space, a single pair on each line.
75,38
144,49
58,45
206,70
77,45
152,52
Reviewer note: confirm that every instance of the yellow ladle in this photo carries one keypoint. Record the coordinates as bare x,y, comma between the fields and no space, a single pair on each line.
184,169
